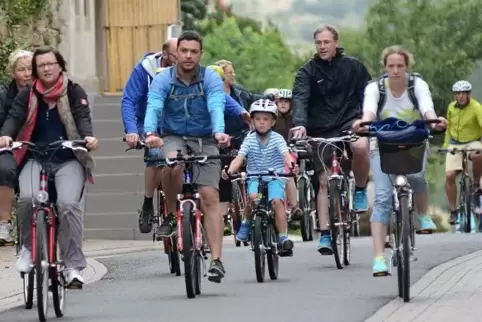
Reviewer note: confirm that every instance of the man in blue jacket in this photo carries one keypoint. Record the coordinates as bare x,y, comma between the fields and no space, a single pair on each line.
189,100
133,107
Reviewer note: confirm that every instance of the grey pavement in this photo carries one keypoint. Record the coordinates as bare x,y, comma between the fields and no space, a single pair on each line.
310,288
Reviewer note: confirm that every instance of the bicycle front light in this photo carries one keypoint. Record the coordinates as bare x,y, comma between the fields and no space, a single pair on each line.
43,197
401,181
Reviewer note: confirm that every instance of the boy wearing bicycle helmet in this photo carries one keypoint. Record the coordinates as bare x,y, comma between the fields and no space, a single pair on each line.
264,149
283,125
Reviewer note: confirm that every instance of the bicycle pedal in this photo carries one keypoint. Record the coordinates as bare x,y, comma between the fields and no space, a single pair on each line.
424,232
381,274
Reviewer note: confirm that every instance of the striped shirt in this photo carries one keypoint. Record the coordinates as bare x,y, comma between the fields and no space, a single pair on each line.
260,157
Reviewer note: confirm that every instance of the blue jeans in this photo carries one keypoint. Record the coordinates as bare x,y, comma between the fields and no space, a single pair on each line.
382,207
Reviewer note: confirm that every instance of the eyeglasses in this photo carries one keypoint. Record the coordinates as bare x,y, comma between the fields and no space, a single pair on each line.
49,65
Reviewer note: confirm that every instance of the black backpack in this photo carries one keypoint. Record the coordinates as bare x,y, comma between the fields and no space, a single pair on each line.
410,89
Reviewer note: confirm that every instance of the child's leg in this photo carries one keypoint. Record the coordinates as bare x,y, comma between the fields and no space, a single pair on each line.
252,190
276,189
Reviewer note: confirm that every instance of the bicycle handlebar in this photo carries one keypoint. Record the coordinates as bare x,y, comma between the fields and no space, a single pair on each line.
65,144
140,145
457,150
270,173
349,137
372,133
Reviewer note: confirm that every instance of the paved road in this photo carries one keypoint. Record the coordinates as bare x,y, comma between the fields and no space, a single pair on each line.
137,287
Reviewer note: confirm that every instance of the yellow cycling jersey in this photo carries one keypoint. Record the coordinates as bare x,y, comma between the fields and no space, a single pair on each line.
464,124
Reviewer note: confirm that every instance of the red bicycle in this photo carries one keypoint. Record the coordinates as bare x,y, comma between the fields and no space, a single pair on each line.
47,264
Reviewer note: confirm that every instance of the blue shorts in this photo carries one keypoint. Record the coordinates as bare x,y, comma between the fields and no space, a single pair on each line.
276,189
152,154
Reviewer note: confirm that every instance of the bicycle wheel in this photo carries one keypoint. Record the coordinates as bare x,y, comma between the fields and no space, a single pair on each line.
57,284
28,287
188,250
174,265
258,246
237,210
41,266
467,205
405,216
336,228
271,238
305,219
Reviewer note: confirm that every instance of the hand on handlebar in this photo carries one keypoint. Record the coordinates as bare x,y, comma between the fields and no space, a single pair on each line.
298,132
91,143
5,141
441,125
153,141
357,128
223,140
132,139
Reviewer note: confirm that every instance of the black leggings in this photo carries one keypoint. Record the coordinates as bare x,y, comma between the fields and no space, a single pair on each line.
8,170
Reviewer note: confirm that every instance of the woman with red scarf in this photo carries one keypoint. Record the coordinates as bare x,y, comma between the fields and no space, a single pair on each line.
51,109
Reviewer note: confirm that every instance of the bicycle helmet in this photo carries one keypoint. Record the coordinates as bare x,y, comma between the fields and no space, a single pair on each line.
285,93
264,105
218,70
271,91
462,86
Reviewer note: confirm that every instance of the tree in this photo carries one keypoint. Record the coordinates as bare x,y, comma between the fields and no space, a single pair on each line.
261,59
444,36
193,11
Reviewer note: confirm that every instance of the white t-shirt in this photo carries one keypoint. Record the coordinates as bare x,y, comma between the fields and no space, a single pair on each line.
399,107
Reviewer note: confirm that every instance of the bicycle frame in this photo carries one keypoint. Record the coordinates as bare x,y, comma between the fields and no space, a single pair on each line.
402,188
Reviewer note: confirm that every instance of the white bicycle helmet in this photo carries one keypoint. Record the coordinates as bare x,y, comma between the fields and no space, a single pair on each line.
462,86
285,93
264,105
270,91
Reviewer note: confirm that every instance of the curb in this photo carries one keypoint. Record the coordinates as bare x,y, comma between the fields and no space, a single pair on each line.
431,287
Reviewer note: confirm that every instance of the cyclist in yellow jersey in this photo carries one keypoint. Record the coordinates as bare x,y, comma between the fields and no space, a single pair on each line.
464,130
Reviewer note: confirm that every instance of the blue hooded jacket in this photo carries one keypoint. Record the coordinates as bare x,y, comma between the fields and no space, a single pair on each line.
194,110
134,98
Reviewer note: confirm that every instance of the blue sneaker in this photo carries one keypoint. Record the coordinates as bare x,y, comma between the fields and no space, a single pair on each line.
324,245
360,200
426,223
380,266
243,233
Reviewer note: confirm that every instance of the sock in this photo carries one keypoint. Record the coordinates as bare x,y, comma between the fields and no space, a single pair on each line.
325,233
245,221
283,235
359,188
148,203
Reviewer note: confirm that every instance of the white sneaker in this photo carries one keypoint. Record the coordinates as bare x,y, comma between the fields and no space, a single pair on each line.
6,233
24,261
73,278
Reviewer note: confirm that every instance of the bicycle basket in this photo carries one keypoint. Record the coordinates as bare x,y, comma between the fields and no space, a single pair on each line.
399,159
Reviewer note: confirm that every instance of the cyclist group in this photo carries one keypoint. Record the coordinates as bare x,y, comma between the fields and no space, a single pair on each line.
173,103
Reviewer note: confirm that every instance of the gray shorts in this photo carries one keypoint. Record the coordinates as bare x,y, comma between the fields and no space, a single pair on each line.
207,174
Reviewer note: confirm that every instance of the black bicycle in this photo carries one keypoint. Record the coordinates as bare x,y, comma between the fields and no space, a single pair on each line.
264,235
169,243
191,236
340,192
400,160
465,201
47,264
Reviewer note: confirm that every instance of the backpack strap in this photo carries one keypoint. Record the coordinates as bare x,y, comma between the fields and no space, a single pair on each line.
383,93
202,71
411,91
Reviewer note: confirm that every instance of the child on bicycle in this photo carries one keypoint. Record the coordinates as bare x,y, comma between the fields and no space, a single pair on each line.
264,149
283,125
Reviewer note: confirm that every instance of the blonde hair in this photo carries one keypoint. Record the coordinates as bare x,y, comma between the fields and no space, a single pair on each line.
397,49
330,28
223,63
15,56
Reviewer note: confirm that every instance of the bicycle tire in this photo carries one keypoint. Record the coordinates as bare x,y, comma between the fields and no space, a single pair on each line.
28,288
258,247
271,238
174,260
238,209
188,250
41,244
305,216
405,216
468,204
334,212
57,281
